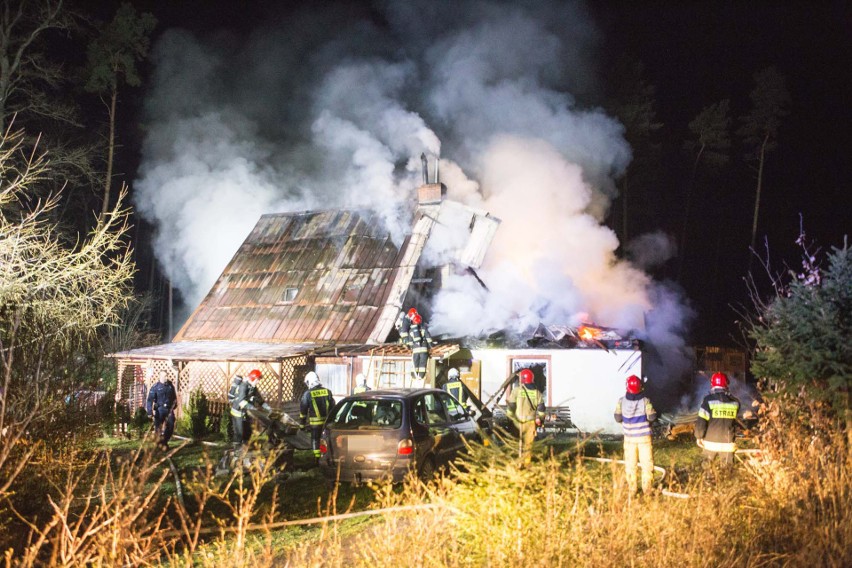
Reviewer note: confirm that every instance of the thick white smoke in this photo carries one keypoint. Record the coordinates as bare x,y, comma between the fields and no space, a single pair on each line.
322,112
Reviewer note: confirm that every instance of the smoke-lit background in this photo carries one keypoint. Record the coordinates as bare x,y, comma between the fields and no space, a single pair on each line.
329,110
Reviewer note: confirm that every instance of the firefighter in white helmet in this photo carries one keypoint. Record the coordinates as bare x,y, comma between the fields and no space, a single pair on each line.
314,408
455,387
635,413
360,384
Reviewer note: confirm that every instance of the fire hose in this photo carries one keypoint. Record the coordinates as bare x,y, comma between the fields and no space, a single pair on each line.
657,468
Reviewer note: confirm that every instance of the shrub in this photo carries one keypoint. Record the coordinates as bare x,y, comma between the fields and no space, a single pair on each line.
193,422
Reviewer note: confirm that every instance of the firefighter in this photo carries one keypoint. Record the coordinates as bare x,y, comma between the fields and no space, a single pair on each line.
526,409
716,422
635,413
161,404
455,387
403,324
248,397
420,342
360,384
314,408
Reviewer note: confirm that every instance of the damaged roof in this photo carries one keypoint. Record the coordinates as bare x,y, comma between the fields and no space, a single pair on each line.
325,277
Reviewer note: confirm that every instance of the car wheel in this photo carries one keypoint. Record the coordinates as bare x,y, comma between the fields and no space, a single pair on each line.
427,470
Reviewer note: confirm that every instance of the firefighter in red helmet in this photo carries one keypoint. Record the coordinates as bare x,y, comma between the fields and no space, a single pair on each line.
635,413
715,427
420,342
403,324
526,409
247,397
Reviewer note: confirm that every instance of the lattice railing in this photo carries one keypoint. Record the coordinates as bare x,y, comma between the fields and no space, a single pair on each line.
281,382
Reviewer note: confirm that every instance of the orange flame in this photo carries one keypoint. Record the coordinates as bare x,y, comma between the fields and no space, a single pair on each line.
586,333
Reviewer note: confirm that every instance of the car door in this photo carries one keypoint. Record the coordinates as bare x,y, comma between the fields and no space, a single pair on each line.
460,422
441,442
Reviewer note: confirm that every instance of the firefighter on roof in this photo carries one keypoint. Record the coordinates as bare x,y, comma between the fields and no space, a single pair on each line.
420,341
526,408
161,404
716,422
635,413
314,407
403,324
247,397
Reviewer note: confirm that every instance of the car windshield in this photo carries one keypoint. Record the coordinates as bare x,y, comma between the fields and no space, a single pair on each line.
369,414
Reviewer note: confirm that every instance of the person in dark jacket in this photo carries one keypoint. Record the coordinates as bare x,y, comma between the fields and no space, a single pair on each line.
403,324
715,427
248,397
314,408
160,406
635,413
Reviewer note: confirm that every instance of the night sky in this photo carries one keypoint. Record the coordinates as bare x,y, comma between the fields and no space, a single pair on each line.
695,54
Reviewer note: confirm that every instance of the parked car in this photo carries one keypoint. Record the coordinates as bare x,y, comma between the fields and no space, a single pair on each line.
384,434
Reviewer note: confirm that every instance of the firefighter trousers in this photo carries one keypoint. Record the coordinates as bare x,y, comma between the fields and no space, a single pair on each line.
639,449
419,359
242,430
527,437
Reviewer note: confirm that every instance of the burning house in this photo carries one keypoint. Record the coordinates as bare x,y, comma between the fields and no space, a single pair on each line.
321,290
312,290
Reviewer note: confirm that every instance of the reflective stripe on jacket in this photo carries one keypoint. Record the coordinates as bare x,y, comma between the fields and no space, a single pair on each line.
635,412
315,405
456,389
526,404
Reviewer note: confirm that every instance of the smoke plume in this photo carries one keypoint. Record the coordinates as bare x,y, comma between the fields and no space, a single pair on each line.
333,109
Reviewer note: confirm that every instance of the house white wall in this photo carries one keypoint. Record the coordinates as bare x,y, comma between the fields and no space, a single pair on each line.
588,381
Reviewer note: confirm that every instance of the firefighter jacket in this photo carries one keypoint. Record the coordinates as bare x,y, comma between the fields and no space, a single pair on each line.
419,338
248,397
402,325
457,389
315,405
235,387
635,413
360,388
162,398
526,404
717,420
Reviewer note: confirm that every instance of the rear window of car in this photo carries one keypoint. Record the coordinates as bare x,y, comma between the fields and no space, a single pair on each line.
370,414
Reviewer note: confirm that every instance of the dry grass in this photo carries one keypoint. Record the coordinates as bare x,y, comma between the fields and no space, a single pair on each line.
790,505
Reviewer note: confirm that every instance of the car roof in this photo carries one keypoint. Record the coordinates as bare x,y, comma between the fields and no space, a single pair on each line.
394,393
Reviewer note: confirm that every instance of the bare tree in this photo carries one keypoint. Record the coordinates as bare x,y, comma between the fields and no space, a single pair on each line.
770,101
25,71
54,299
113,56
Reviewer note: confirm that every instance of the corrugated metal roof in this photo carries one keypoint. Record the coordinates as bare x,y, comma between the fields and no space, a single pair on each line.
217,351
301,277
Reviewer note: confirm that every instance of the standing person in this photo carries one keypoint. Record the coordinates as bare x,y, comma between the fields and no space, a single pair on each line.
635,413
403,324
526,409
161,404
420,342
716,422
360,384
248,397
455,387
314,407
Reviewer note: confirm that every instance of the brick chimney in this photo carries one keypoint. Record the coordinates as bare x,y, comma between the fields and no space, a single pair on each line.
430,193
